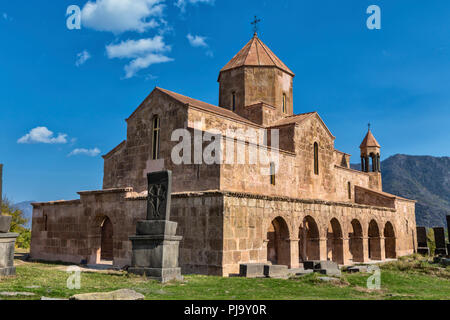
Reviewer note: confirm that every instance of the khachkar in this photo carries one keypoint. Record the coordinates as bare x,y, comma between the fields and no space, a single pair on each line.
155,247
448,232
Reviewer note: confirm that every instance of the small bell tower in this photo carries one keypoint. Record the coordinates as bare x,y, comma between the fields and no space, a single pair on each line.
370,153
370,160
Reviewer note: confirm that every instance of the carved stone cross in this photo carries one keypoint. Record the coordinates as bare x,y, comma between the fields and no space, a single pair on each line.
159,195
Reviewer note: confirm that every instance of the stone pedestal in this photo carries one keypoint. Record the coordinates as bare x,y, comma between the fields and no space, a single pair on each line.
155,247
7,244
155,250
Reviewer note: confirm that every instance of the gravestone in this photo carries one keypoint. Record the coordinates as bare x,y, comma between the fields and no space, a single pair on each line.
422,243
448,230
439,238
155,247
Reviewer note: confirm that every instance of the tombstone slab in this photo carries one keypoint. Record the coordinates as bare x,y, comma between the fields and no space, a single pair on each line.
439,238
448,224
354,269
422,237
251,270
329,272
155,247
326,265
299,271
276,271
422,243
311,264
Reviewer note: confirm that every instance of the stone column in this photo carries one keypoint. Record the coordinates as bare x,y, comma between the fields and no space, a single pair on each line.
263,251
323,251
365,249
294,254
382,248
346,251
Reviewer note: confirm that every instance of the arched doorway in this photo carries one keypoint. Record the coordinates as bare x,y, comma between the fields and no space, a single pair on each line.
335,245
374,241
389,241
308,245
278,247
106,249
356,242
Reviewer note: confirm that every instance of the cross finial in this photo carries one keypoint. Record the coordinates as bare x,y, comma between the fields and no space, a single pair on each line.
255,25
369,125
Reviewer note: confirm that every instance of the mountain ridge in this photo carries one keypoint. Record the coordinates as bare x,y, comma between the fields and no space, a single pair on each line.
425,179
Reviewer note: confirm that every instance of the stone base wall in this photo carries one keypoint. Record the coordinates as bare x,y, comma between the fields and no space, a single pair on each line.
70,231
223,229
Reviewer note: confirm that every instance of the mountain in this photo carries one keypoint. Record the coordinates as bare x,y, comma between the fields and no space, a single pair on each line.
422,178
27,210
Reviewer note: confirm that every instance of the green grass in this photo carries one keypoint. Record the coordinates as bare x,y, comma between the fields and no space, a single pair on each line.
408,278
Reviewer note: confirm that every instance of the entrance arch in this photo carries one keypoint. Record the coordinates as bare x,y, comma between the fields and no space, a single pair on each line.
335,245
278,247
389,241
356,242
106,247
308,245
374,241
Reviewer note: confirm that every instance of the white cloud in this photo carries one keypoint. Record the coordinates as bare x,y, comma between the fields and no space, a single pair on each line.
43,135
82,57
86,152
144,52
183,3
144,62
136,48
118,16
200,42
197,41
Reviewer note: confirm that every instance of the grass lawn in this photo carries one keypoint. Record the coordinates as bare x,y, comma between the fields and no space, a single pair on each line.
409,278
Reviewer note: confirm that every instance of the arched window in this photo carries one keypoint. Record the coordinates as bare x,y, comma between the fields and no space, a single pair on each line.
234,101
272,173
349,186
155,138
284,102
316,158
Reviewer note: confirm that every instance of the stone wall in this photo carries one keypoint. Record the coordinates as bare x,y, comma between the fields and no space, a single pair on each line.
373,198
220,229
247,219
128,164
70,231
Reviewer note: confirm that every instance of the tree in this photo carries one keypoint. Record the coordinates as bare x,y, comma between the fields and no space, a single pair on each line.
17,224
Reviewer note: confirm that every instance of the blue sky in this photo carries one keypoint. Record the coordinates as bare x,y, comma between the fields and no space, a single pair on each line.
81,84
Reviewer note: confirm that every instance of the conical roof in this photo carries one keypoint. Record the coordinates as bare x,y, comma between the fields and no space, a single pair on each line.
256,53
369,141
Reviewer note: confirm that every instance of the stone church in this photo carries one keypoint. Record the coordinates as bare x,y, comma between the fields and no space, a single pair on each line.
313,207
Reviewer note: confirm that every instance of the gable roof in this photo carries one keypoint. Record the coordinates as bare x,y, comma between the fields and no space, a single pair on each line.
369,141
206,106
299,119
256,53
296,118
